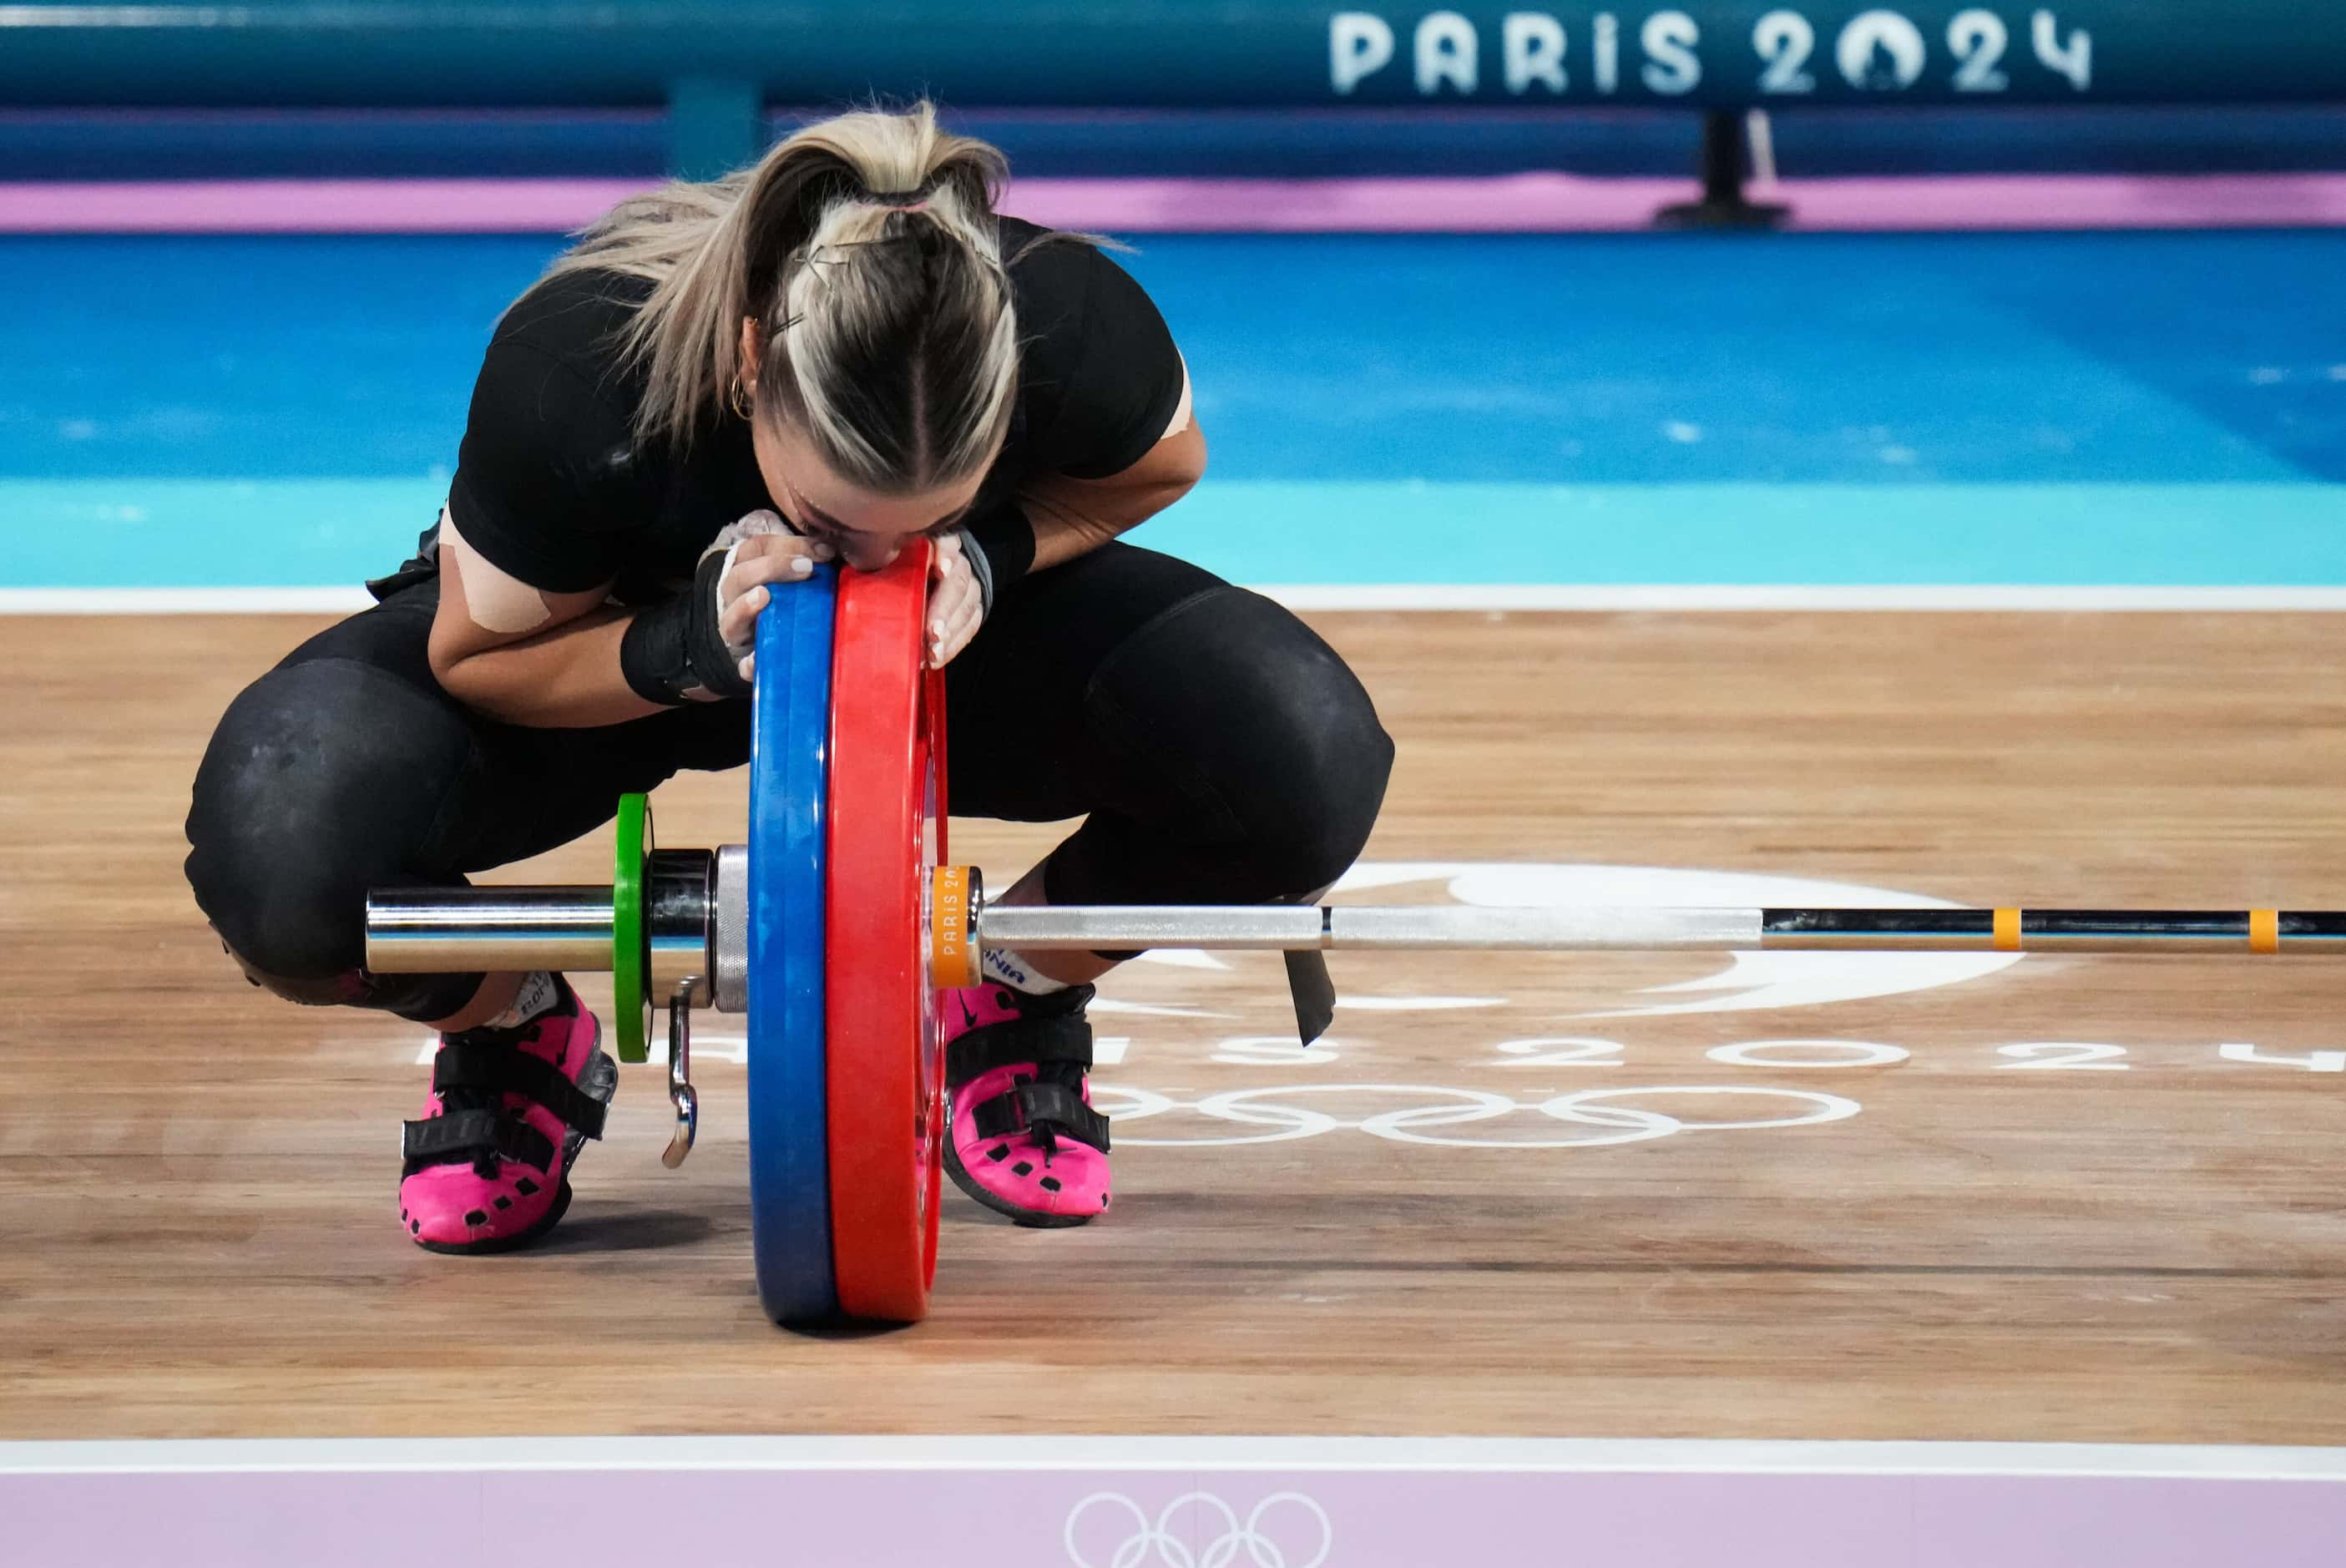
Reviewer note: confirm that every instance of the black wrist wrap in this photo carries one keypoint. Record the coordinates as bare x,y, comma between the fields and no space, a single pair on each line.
673,650
1002,532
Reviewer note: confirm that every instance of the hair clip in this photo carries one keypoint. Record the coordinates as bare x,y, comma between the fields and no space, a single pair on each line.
904,200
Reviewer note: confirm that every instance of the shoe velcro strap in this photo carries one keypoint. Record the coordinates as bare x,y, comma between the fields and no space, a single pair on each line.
1052,1108
1016,1042
468,1065
466,1137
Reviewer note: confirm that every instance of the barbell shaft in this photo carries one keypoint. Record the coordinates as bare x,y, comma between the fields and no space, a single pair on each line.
1647,929
1040,927
440,929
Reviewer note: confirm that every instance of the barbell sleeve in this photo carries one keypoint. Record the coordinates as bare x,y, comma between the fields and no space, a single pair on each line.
460,930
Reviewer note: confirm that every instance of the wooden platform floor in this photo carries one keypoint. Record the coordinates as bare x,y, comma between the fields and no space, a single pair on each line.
2135,1236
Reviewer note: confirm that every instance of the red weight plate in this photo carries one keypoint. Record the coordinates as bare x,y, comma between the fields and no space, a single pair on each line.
885,1069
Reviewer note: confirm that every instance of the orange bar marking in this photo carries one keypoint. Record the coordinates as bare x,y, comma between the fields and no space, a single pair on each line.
2264,931
2007,931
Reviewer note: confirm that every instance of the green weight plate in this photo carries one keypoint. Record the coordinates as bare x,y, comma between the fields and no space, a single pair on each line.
631,991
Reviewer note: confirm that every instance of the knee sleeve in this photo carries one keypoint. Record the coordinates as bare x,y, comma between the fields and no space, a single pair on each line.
1271,740
323,779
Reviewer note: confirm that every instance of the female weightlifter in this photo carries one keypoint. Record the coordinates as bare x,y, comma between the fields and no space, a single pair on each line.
825,356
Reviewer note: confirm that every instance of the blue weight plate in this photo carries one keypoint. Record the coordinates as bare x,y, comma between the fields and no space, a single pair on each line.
790,786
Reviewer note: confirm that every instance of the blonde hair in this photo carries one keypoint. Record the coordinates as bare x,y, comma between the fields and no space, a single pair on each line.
864,248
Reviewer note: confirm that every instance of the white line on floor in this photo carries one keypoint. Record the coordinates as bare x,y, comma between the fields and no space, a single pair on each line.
1482,596
1179,1454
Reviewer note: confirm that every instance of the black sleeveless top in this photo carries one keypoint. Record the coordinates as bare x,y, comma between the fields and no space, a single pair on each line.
550,488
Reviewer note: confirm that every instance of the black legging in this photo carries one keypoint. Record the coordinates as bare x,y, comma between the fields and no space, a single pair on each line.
1219,750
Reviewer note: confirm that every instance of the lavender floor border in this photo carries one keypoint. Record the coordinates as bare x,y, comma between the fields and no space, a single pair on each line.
1520,203
1091,1501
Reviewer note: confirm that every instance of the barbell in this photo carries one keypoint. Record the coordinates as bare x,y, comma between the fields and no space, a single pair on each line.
834,927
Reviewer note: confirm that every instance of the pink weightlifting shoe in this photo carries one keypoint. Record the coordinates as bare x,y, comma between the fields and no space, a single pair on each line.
488,1168
1022,1137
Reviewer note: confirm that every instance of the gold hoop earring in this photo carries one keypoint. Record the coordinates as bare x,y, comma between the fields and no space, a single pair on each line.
740,399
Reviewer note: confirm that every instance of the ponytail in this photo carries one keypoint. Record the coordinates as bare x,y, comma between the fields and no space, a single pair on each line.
864,248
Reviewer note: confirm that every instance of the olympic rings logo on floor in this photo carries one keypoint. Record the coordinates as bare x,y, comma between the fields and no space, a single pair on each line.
1282,1526
1601,1110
